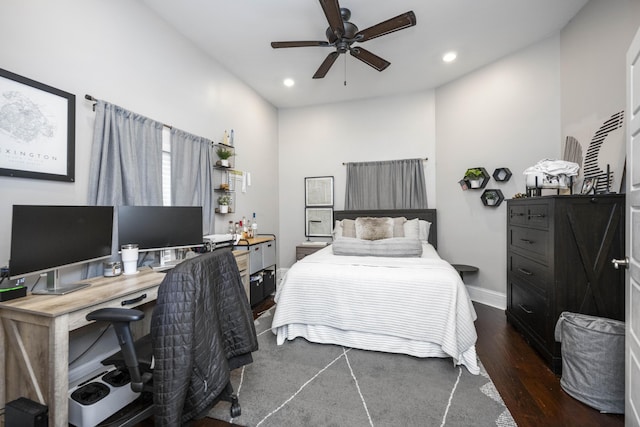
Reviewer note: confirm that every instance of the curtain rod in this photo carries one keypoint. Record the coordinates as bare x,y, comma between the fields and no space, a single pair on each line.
91,98
346,163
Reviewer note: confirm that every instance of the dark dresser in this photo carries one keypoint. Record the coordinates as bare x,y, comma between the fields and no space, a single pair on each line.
559,252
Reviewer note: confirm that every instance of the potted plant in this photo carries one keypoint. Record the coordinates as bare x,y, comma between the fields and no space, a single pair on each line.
224,202
224,154
491,198
475,177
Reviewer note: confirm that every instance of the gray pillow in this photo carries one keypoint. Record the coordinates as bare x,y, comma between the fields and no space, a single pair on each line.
374,228
393,247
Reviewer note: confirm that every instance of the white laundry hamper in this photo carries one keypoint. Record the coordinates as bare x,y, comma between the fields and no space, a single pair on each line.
592,360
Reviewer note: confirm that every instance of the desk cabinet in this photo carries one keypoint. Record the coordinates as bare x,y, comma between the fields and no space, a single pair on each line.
34,337
262,266
242,259
559,252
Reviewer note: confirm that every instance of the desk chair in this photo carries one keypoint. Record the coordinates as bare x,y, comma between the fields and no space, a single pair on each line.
207,292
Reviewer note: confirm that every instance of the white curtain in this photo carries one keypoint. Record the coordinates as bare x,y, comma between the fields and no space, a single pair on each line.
391,184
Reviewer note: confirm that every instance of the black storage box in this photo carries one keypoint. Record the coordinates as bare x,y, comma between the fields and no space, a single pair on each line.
23,412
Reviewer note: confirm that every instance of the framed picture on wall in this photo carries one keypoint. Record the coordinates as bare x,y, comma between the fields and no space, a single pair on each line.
318,191
37,129
318,222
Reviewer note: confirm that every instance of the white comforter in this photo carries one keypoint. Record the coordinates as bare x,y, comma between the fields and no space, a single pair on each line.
415,306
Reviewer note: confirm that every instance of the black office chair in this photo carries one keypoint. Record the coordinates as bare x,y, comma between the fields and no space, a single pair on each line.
217,327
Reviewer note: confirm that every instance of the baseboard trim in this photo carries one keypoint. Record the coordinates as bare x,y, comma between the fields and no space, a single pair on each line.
487,297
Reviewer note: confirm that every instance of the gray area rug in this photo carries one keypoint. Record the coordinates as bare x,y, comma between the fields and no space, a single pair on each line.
306,384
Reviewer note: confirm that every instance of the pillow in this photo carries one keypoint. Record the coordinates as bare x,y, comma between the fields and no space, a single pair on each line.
424,227
337,230
374,228
398,226
417,229
412,229
392,247
348,228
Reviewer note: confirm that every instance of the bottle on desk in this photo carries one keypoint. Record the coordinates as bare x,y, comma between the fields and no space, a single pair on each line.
254,226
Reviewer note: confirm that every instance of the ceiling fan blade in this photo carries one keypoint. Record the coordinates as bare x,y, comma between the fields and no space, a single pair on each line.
331,10
369,58
326,64
400,22
278,45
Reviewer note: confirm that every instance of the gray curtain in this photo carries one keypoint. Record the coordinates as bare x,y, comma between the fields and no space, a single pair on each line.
392,184
126,164
126,158
191,175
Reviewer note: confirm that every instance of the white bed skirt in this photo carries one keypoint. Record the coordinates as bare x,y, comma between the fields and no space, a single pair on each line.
364,341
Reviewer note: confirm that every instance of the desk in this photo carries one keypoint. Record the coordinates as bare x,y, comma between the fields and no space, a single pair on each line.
34,355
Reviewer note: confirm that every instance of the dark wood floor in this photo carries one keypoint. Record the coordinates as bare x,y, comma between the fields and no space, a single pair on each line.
530,390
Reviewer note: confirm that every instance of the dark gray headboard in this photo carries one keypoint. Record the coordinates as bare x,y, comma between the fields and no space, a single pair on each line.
426,214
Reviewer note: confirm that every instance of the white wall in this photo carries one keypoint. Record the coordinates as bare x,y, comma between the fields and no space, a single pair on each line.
315,141
504,115
121,52
594,46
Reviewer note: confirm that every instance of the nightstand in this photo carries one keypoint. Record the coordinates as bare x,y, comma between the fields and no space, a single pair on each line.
304,250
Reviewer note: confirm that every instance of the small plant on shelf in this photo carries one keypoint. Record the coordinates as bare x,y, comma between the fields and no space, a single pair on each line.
224,155
491,197
224,201
475,177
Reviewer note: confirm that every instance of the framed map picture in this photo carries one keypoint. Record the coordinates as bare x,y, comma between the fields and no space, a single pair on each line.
37,129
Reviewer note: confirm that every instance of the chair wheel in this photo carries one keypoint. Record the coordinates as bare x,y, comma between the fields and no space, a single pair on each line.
235,409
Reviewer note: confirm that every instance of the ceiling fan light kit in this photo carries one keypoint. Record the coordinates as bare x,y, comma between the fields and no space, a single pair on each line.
342,34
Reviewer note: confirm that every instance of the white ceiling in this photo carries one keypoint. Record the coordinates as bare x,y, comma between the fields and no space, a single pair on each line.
237,33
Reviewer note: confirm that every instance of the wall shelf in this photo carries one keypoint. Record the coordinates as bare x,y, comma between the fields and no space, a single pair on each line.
492,197
502,174
483,182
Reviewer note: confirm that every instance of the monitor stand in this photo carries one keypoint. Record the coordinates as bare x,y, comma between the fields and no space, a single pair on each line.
54,287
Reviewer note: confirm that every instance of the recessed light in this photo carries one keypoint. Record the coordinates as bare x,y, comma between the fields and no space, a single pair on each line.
449,56
288,82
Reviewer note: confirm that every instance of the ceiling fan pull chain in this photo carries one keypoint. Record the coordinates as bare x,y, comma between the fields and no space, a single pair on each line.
345,70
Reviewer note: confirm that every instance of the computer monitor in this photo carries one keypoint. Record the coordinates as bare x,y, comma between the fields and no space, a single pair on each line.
155,228
45,239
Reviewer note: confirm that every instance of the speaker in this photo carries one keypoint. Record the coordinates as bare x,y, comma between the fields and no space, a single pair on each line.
23,412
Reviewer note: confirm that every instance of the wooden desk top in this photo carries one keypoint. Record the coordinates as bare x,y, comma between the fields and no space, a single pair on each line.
102,289
255,240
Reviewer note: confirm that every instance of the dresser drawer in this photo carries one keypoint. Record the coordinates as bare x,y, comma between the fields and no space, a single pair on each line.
529,307
530,271
530,240
538,216
531,215
518,215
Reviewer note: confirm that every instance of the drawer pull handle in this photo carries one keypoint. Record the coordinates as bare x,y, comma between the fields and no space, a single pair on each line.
526,310
527,241
523,271
537,215
134,300
517,214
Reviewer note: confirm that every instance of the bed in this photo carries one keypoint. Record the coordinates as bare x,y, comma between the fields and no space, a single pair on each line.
351,293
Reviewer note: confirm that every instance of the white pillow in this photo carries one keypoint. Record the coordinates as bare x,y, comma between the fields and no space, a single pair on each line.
337,230
411,229
425,226
417,229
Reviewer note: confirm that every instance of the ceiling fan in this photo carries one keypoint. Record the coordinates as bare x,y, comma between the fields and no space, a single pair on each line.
342,34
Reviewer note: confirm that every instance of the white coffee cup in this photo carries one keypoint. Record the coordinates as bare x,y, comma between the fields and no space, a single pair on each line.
129,255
